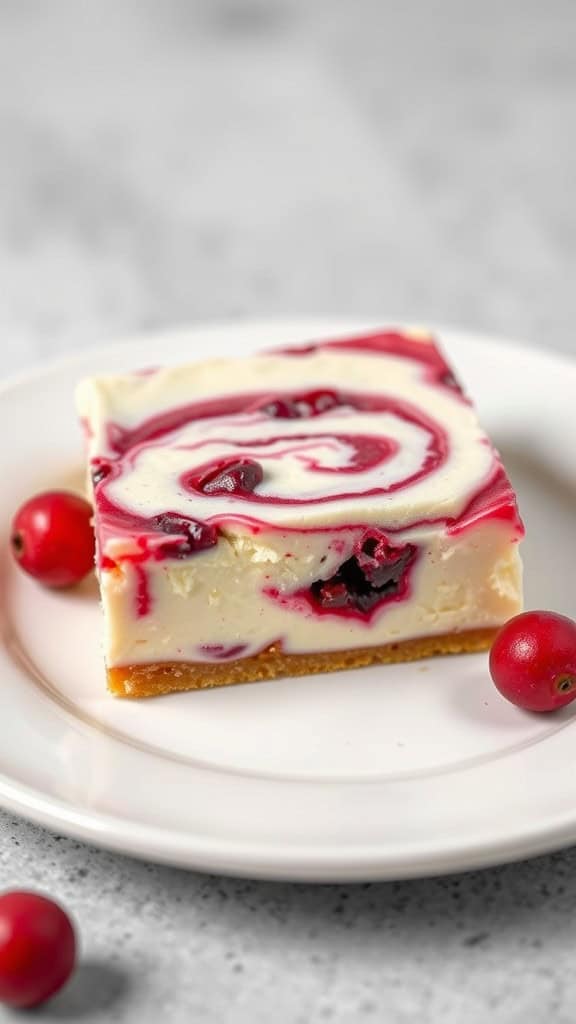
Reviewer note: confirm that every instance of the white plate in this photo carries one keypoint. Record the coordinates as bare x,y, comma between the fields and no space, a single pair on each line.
379,773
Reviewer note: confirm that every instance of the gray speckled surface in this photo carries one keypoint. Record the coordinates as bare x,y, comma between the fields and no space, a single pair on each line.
172,161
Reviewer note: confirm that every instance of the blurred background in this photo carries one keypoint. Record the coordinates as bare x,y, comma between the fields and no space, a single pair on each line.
164,161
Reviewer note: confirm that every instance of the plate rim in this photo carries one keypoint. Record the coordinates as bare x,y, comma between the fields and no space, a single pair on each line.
313,864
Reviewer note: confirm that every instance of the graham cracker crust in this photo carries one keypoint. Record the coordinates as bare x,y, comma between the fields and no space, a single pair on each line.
152,680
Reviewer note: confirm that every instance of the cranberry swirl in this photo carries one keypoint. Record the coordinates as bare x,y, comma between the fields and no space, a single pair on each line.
380,431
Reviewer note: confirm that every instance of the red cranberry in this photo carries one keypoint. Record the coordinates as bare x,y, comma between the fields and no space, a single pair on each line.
533,661
37,948
240,477
53,539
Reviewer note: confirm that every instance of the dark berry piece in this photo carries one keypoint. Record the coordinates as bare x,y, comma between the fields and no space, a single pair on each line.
240,477
332,594
381,563
281,410
449,380
374,573
310,403
314,403
99,470
192,534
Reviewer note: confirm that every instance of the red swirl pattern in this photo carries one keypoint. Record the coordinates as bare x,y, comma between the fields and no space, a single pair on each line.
367,452
324,435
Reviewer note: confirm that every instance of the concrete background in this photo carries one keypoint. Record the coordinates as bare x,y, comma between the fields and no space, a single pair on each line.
165,161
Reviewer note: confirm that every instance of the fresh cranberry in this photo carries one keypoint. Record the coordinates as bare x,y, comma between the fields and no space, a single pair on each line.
240,477
191,535
37,948
533,661
53,539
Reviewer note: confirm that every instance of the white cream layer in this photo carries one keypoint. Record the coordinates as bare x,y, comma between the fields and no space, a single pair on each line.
216,598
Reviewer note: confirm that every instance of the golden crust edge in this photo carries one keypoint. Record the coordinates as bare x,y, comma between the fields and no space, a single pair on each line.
156,679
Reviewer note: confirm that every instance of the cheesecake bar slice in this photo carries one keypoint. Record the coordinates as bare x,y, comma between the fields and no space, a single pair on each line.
310,509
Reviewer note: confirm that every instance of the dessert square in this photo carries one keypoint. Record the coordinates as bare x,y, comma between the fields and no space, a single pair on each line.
320,507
